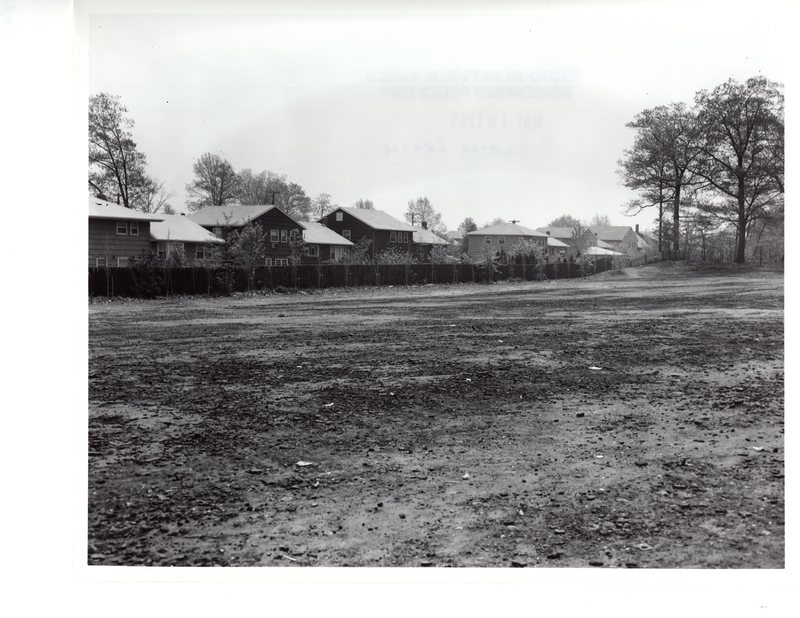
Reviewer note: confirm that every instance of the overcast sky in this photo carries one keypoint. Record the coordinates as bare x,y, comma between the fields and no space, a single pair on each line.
511,111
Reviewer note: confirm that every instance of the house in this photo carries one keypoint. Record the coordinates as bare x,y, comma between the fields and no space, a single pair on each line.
178,233
322,244
454,237
279,227
117,233
381,229
648,246
556,248
424,241
499,238
575,245
620,238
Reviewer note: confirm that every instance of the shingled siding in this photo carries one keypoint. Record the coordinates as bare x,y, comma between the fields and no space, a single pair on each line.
477,245
104,242
379,239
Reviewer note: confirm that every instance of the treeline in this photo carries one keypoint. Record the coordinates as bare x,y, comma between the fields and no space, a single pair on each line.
117,173
711,168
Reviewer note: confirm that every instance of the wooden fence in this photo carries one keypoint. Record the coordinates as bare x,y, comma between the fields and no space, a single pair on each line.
147,282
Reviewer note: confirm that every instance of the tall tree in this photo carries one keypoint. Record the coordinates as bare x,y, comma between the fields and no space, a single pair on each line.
365,204
662,158
270,188
644,169
741,151
215,182
564,221
116,167
421,210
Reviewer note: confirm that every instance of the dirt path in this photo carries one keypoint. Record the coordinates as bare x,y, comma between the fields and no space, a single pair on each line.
445,426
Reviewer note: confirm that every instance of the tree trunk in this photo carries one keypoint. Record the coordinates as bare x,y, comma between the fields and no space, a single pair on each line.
660,217
676,219
742,223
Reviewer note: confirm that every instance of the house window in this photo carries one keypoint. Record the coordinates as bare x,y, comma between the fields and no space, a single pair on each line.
273,235
281,261
333,253
405,237
122,261
217,230
267,261
101,261
122,228
501,240
200,253
346,234
393,236
284,236
313,250
133,228
488,240
340,216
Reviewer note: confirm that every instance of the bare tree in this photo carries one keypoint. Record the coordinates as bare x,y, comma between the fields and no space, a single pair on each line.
116,167
365,204
741,151
156,199
215,182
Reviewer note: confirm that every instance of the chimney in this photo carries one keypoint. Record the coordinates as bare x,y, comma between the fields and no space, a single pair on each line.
424,225
637,228
183,214
548,232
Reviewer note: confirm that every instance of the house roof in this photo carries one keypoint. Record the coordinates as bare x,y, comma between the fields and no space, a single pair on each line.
426,237
555,242
231,215
557,232
377,219
454,235
610,232
645,242
507,229
318,234
601,251
181,228
603,244
101,209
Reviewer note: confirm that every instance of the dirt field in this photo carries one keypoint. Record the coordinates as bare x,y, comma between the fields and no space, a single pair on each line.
625,421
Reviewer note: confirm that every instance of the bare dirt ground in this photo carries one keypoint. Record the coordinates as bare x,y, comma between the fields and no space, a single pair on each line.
444,426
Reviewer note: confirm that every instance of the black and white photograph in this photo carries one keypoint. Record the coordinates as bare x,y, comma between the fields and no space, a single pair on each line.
386,288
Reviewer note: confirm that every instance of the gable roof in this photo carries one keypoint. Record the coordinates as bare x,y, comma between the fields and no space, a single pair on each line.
454,235
426,237
560,232
610,232
318,234
101,209
603,244
232,215
646,242
507,229
555,242
377,219
181,228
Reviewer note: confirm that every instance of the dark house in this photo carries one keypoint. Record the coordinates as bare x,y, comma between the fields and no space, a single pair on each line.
279,227
117,234
381,229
